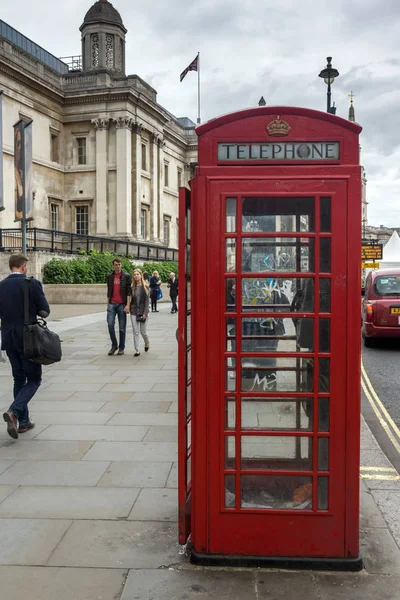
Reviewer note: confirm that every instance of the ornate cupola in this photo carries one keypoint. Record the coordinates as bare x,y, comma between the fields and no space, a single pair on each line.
103,39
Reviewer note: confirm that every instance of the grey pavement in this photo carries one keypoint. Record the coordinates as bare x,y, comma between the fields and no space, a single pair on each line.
88,499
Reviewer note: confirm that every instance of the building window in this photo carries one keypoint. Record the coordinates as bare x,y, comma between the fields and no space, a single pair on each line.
143,223
179,178
81,142
54,216
54,156
95,50
109,51
166,182
82,220
144,162
167,223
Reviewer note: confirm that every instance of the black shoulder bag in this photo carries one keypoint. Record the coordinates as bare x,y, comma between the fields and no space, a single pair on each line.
41,345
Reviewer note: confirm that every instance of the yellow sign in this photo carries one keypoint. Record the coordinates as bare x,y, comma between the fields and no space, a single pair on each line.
369,265
371,251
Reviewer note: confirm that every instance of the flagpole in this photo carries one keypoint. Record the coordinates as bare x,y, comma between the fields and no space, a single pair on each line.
198,89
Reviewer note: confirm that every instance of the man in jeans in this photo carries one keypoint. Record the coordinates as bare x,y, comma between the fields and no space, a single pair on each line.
119,292
27,374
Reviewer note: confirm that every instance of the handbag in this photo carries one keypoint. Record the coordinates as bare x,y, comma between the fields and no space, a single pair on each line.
140,318
41,345
159,294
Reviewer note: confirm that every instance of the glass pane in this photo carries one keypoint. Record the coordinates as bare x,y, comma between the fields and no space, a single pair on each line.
292,255
325,214
189,435
325,295
324,375
230,412
230,452
323,454
277,294
275,414
276,492
273,334
188,399
230,287
231,335
279,453
188,229
325,255
189,364
231,374
188,259
230,492
230,255
189,471
268,374
278,214
324,335
323,493
231,215
323,414
189,329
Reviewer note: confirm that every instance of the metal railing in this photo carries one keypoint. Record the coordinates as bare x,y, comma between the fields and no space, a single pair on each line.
64,242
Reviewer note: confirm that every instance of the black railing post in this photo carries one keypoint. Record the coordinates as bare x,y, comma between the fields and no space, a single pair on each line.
34,238
148,252
101,245
127,249
1,240
87,244
53,240
72,242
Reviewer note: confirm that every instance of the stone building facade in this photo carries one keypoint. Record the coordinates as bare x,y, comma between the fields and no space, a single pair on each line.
107,158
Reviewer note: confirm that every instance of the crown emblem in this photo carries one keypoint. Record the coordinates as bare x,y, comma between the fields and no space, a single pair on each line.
278,127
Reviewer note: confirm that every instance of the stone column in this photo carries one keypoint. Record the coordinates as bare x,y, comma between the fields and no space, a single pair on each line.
101,205
155,186
124,176
137,180
160,232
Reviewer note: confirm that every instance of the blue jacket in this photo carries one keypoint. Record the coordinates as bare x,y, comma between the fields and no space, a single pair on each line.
12,309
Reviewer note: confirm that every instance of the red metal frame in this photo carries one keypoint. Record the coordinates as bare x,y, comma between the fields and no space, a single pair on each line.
217,530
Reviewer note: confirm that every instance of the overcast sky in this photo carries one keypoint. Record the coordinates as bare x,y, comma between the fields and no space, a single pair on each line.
249,48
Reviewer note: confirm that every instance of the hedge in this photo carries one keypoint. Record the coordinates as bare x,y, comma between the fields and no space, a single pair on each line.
95,267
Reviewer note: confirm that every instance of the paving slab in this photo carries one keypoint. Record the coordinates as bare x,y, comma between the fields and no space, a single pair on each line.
352,586
42,395
389,504
155,505
165,386
5,464
50,583
154,397
77,418
102,396
128,433
374,458
172,481
379,552
272,585
41,450
368,442
144,474
67,406
370,515
54,473
76,387
162,433
128,387
28,435
29,541
118,545
182,584
84,379
135,407
133,451
155,419
6,491
383,481
69,503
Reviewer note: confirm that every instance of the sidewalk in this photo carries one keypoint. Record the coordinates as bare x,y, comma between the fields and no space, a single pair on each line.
88,499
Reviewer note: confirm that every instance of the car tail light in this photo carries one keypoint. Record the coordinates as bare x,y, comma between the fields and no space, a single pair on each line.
370,312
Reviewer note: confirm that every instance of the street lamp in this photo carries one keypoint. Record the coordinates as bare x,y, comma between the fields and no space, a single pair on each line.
329,75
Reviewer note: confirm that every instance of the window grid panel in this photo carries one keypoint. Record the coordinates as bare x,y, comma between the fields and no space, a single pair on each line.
82,220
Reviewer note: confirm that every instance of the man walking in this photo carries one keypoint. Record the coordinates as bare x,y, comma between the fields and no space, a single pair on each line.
119,292
27,375
173,291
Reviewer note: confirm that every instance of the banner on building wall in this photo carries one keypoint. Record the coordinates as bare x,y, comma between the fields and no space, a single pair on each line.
23,169
2,207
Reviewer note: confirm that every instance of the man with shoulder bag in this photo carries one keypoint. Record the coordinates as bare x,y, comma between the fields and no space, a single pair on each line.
15,323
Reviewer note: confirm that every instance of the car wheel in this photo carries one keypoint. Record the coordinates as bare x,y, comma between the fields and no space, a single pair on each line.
368,342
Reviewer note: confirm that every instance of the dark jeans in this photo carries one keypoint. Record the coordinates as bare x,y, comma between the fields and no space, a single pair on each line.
112,311
174,306
27,379
153,298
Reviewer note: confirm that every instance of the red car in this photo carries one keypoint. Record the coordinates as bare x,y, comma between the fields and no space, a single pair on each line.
381,305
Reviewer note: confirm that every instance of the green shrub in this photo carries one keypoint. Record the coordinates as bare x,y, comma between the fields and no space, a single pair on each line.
94,268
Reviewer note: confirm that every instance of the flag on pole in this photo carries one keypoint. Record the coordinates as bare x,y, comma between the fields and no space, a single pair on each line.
192,67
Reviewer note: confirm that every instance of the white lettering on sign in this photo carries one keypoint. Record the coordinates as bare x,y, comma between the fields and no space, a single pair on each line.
298,151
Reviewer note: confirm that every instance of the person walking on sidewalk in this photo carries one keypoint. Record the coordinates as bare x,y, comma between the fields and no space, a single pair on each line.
139,310
155,283
173,291
27,374
118,304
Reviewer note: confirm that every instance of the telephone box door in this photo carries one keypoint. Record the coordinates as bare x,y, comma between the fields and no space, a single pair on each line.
184,377
278,410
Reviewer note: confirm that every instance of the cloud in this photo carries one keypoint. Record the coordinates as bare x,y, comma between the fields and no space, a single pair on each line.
250,48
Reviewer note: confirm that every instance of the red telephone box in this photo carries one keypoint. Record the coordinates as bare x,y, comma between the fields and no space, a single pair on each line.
269,341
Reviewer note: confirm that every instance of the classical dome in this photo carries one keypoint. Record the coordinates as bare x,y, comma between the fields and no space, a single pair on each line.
103,12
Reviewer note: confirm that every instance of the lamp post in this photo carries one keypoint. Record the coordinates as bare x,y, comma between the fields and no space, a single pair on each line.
329,75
